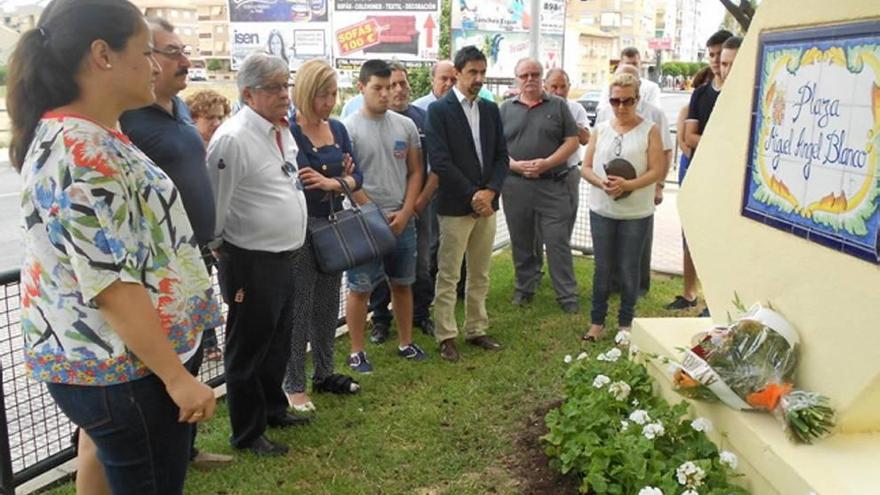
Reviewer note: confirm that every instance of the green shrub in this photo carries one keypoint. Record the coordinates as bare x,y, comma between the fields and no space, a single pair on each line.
2,74
622,439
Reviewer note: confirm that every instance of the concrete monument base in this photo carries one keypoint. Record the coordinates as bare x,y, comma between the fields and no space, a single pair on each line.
842,464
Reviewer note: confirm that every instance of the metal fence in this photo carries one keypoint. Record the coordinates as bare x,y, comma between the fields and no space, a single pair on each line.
35,436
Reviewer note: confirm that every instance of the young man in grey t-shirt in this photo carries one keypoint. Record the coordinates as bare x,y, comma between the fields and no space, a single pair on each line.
388,151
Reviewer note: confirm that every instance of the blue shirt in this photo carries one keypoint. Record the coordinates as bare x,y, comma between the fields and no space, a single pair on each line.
418,116
172,141
328,160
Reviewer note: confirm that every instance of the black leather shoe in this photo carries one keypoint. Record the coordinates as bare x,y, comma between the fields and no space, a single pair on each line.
427,326
262,446
288,420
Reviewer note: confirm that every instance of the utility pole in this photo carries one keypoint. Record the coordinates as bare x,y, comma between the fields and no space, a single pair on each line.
535,35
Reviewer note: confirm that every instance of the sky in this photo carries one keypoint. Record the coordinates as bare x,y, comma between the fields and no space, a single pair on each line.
712,15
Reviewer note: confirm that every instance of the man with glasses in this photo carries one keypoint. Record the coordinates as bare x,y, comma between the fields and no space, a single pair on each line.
260,228
541,134
165,132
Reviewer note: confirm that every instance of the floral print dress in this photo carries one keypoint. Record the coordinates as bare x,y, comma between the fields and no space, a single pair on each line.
97,210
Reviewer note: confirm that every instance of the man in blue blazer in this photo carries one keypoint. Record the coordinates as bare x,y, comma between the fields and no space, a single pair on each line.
468,152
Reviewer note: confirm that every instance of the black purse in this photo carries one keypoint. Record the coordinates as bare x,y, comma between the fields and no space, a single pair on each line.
350,237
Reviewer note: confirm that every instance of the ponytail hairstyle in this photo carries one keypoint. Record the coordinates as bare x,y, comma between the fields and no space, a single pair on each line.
46,60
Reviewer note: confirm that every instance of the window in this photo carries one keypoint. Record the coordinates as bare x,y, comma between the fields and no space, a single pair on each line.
204,36
220,29
175,14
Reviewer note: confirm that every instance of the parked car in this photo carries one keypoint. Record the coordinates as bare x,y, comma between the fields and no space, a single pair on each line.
198,74
590,102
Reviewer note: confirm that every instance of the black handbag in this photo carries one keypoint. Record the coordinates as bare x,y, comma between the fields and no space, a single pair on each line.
351,237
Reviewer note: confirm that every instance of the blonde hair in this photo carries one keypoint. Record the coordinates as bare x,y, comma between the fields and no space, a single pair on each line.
312,77
624,80
201,102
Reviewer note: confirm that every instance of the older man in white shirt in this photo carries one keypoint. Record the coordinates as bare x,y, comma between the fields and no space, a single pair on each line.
260,228
649,91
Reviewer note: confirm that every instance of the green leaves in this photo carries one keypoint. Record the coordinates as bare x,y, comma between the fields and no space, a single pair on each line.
587,434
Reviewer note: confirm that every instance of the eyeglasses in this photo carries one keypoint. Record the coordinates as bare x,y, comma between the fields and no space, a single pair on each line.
618,144
174,51
274,87
627,102
527,75
291,171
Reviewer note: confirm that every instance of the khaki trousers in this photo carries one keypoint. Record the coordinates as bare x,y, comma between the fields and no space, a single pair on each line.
459,237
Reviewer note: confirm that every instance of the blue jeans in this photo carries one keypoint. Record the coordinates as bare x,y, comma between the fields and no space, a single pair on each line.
142,446
399,267
617,247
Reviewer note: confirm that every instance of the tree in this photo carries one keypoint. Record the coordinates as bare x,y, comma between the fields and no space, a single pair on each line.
743,13
671,68
419,81
214,64
445,27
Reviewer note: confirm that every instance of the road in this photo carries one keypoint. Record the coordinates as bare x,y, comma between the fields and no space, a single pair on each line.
10,184
10,233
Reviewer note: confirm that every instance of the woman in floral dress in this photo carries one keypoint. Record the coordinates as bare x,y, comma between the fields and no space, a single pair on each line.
115,296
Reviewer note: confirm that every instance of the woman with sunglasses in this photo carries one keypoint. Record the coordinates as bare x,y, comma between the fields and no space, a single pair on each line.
620,207
324,157
114,295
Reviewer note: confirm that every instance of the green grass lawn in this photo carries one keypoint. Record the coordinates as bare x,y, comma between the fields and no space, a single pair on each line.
426,428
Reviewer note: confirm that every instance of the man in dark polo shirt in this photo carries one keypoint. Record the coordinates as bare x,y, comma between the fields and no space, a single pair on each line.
423,288
166,133
541,134
700,109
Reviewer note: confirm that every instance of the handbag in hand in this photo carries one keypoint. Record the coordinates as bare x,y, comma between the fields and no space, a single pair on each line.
351,237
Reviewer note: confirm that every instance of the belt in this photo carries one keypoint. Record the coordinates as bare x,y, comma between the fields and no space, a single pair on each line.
557,173
235,250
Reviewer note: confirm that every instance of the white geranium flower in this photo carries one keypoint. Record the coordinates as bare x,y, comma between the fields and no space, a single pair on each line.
689,492
624,425
619,390
690,475
702,424
633,350
635,402
653,430
650,490
600,381
582,355
567,359
639,417
622,338
728,459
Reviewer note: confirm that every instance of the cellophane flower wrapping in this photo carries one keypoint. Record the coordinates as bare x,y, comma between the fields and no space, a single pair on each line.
750,364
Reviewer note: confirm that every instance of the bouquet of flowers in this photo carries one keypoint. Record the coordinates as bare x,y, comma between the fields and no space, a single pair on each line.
750,364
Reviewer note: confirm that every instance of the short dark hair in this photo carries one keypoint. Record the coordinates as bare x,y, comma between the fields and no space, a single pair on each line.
374,67
46,60
718,38
630,52
467,54
732,43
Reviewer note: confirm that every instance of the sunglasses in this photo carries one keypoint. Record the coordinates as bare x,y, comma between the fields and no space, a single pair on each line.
627,102
291,171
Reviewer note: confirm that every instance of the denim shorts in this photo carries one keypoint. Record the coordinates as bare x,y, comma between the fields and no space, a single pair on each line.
399,266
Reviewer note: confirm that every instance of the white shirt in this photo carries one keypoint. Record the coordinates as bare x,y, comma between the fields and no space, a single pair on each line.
258,205
582,120
649,92
633,147
649,112
472,113
425,101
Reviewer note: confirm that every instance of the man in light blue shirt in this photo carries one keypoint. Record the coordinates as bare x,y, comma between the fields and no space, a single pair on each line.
442,80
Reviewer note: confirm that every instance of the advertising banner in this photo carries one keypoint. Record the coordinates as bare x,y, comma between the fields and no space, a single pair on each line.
504,50
294,30
408,36
813,167
507,15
